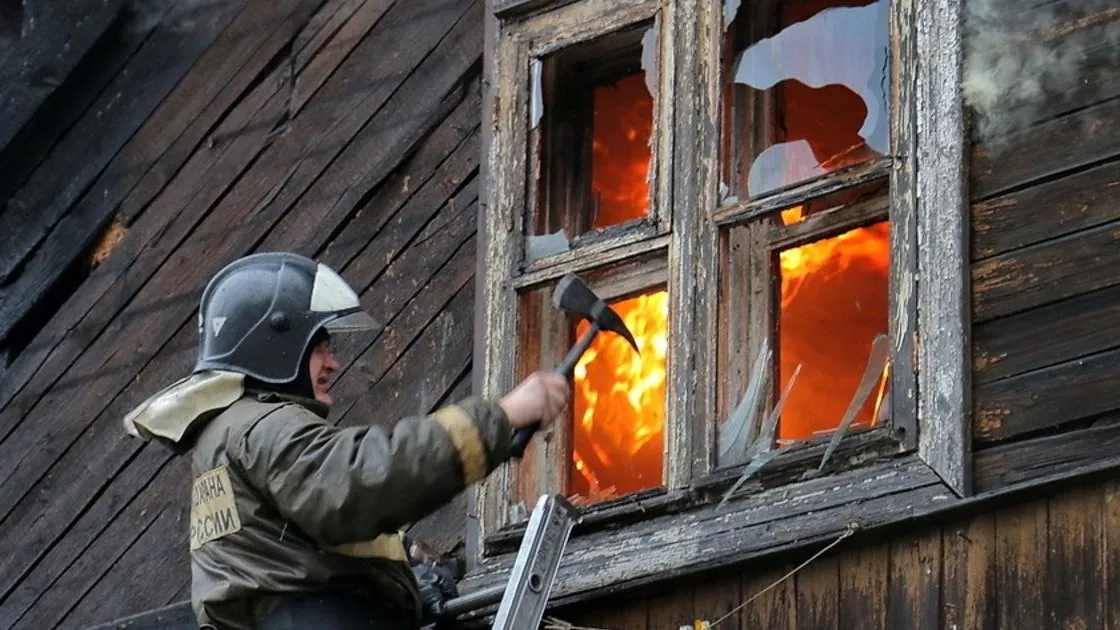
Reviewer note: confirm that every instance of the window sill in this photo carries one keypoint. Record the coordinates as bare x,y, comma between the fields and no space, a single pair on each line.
888,492
709,537
796,463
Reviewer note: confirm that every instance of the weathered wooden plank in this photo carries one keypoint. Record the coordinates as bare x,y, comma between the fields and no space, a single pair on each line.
774,608
675,607
401,329
1045,336
915,581
692,41
42,233
424,96
350,26
1045,211
220,242
631,613
153,156
863,596
1062,393
1075,579
1110,543
1017,161
1021,560
70,101
440,353
1068,453
851,176
139,579
1081,33
818,591
1054,270
55,37
903,300
944,367
715,599
92,545
968,579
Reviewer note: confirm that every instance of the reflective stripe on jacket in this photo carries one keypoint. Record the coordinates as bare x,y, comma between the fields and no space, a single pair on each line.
283,502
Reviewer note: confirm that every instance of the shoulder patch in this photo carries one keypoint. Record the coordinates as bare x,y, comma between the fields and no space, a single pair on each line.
213,510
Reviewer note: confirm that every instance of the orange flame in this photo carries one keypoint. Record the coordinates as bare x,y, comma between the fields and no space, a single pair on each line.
833,304
619,403
620,151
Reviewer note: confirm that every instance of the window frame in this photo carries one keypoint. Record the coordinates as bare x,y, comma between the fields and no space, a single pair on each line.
930,376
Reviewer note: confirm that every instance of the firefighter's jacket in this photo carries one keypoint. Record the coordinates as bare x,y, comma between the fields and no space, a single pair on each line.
283,502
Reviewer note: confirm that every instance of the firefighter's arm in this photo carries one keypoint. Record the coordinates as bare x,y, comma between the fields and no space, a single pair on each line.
341,485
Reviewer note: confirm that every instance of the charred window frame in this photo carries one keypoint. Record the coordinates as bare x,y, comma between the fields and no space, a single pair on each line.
683,245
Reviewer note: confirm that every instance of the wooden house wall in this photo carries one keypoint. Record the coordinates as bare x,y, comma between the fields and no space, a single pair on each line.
1049,562
1046,242
343,129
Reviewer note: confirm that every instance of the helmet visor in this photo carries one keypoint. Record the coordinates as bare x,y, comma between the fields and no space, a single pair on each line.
354,322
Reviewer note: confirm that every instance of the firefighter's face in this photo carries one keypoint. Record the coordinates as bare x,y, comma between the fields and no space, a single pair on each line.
323,367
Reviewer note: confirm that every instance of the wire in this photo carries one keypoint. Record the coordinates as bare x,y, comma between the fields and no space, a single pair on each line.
848,531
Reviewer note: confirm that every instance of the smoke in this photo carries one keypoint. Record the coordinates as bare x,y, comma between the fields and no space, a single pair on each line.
1021,56
178,16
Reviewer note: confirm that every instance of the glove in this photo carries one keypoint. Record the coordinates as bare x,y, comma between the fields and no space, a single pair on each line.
437,585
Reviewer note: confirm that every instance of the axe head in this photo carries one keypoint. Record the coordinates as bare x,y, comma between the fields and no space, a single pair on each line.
572,295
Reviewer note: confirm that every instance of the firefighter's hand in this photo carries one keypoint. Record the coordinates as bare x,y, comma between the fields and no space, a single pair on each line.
541,398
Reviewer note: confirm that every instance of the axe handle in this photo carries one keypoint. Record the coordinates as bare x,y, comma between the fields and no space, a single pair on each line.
521,436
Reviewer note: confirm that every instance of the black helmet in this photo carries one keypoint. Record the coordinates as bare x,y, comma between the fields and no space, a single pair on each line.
260,314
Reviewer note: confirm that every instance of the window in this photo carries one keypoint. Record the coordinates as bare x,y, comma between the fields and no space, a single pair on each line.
804,114
746,198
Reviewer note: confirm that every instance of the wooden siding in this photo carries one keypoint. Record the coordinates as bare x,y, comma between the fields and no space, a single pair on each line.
1048,562
1046,245
342,129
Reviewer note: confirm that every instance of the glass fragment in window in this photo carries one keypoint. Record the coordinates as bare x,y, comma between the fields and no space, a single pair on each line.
592,108
618,407
806,96
833,304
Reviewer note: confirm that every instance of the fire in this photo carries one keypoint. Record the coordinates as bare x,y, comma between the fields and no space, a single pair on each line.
620,152
833,304
619,404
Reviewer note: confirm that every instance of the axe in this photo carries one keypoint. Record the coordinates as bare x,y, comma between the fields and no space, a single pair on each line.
572,295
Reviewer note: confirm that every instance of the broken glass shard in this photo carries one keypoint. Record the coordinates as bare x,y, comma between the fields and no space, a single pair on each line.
823,73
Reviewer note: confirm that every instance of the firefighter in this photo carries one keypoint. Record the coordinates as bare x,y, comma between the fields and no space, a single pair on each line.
294,522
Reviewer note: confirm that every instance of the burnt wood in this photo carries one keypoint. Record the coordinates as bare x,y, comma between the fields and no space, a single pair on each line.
42,233
1018,161
1044,336
180,346
1053,208
55,36
1053,270
142,169
217,241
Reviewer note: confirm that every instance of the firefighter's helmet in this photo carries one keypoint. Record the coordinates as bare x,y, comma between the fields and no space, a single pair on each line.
259,315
